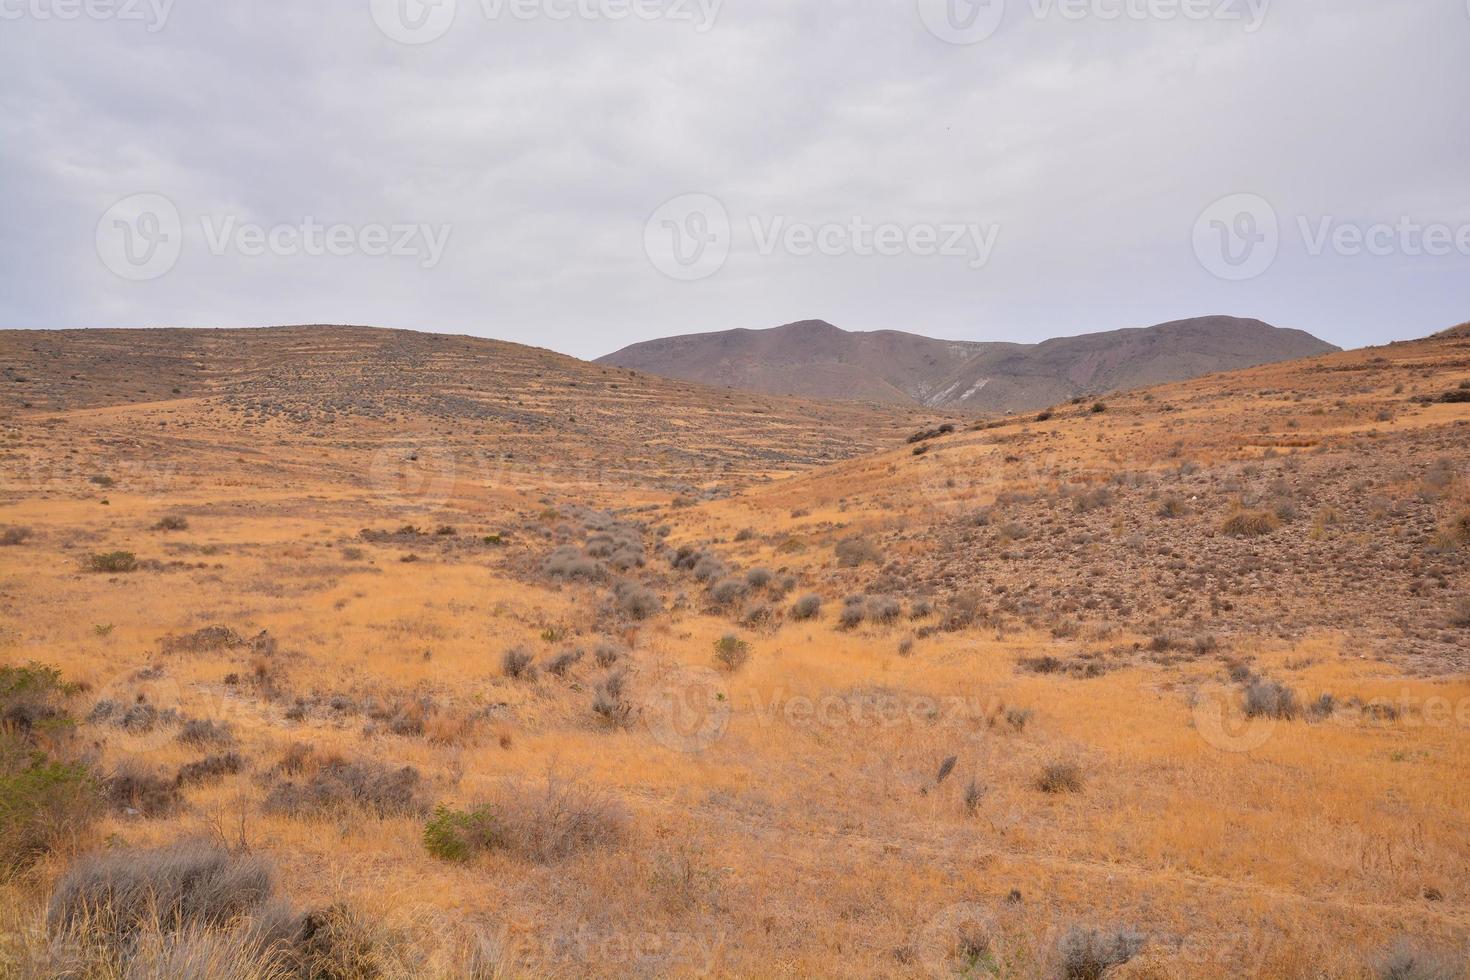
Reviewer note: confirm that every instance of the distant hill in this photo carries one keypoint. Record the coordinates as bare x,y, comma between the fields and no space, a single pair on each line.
814,359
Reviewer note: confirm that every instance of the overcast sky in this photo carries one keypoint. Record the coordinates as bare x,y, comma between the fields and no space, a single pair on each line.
579,180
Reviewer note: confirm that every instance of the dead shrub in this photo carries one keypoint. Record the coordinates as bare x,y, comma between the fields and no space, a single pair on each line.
1087,954
137,790
171,522
13,535
1060,777
1250,523
202,731
807,607
114,562
856,550
609,703
518,663
607,653
339,786
209,769
1269,699
637,601
115,894
564,662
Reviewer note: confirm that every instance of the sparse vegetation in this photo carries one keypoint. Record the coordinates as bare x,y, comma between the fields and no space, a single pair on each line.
1060,777
114,562
1250,523
732,652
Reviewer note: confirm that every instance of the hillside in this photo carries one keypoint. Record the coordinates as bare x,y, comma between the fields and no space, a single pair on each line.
814,359
1169,686
432,396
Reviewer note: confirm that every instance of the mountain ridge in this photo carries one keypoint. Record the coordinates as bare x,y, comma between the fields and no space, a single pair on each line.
815,359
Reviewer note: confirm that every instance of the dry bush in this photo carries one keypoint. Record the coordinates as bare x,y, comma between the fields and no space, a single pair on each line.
758,578
1173,506
854,611
34,699
1087,954
609,703
544,825
856,550
1460,614
564,662
727,591
114,894
203,731
1250,523
637,601
171,522
570,563
1409,961
209,769
607,653
1060,777
1269,699
137,789
113,561
807,607
518,663
732,652
340,786
13,535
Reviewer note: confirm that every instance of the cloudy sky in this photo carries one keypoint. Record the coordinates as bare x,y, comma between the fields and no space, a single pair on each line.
583,174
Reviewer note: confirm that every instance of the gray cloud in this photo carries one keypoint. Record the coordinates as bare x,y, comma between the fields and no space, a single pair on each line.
545,145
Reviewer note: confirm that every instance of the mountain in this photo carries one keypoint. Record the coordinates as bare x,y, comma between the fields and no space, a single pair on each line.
814,359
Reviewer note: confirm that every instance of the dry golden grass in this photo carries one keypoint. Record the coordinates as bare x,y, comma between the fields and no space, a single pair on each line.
799,815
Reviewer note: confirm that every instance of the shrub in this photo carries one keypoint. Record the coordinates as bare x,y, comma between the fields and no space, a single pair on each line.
1060,777
1250,523
708,568
114,894
807,607
543,825
884,609
1041,665
1460,614
339,786
1459,528
854,611
202,731
608,701
1087,954
1406,961
1172,506
854,551
564,662
608,653
44,804
637,601
114,561
33,699
518,663
1269,699
457,835
569,563
209,769
138,790
727,591
14,535
758,578
171,522
732,652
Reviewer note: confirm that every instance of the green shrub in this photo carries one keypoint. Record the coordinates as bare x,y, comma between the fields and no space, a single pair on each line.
33,699
43,803
732,652
457,835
